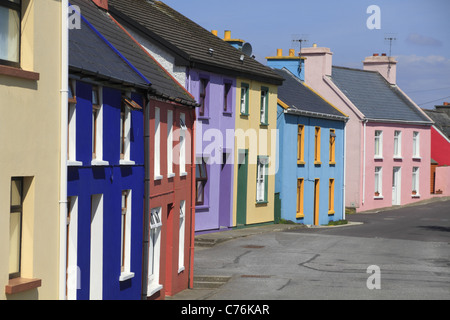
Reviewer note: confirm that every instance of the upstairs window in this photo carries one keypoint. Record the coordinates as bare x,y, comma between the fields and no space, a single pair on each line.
416,145
244,99
264,106
332,146
201,177
317,145
378,144
10,28
227,97
397,144
203,97
301,144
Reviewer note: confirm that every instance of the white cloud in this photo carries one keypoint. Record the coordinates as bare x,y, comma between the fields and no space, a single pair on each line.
421,40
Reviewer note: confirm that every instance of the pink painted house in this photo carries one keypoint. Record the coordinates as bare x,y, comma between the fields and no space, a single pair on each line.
388,135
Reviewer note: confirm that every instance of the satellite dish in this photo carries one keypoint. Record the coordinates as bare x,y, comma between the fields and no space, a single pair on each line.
247,49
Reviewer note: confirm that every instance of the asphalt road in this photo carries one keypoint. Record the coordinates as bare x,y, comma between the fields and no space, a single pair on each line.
394,255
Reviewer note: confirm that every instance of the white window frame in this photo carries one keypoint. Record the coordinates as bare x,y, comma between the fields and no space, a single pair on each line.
263,106
243,99
415,181
127,134
378,182
72,130
125,244
378,141
98,161
397,144
183,130
261,176
170,173
157,145
96,261
182,232
416,145
73,271
154,254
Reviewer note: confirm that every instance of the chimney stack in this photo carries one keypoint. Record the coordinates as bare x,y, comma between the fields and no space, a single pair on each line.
101,3
237,43
386,66
445,108
291,62
318,64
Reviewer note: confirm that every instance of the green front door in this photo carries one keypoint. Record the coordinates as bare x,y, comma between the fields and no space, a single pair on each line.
241,206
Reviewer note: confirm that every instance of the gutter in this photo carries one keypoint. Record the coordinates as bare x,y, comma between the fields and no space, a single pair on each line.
63,149
422,123
316,114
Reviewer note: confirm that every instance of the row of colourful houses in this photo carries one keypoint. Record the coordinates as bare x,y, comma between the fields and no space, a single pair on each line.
152,129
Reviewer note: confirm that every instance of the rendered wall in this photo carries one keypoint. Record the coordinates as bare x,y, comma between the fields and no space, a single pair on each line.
29,131
440,148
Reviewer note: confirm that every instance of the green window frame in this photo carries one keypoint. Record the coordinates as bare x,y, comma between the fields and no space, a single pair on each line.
264,106
243,105
262,166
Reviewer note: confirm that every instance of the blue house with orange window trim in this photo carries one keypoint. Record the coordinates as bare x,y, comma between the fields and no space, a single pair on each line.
310,180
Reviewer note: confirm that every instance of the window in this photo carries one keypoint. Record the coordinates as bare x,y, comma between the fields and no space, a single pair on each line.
96,254
10,31
203,97
170,173
73,271
301,144
317,145
415,181
125,237
154,251
244,99
378,182
15,227
332,146
201,177
264,106
300,199
183,129
378,143
261,179
227,97
416,145
72,125
97,127
157,147
331,197
397,144
181,236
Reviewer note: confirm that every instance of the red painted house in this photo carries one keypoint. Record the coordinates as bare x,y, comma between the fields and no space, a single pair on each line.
440,141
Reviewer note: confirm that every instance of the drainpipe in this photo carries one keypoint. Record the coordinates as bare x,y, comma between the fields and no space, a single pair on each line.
344,158
364,163
146,220
63,151
192,226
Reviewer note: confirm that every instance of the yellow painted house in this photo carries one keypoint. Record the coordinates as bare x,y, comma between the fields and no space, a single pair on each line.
255,152
30,103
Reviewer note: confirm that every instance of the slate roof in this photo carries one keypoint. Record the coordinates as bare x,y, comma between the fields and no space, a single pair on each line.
188,41
90,55
441,120
162,83
374,96
299,97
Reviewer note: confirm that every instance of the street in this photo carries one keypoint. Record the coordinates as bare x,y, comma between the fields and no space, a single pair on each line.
397,254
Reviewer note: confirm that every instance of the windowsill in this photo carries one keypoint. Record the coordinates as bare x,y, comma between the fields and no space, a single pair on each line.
96,162
18,285
201,207
378,158
153,289
378,197
74,163
398,158
301,162
19,73
330,213
317,163
158,177
127,162
417,158
415,196
183,174
228,113
170,175
332,163
181,270
126,276
203,118
264,124
262,203
244,114
299,216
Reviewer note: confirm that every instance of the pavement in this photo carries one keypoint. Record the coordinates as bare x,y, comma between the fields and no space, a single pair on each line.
205,287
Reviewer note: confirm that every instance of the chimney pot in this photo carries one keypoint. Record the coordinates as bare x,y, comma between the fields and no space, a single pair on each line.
383,54
227,35
279,52
214,32
446,103
291,52
375,54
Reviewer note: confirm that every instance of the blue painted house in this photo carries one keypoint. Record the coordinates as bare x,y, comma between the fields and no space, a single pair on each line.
310,179
105,170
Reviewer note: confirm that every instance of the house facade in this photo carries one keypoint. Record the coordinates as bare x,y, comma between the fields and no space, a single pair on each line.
30,85
388,136
310,177
209,68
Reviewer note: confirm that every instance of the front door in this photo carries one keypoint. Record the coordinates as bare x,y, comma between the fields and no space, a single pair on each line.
396,186
241,206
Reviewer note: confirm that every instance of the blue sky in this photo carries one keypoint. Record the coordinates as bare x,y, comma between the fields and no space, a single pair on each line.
421,29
